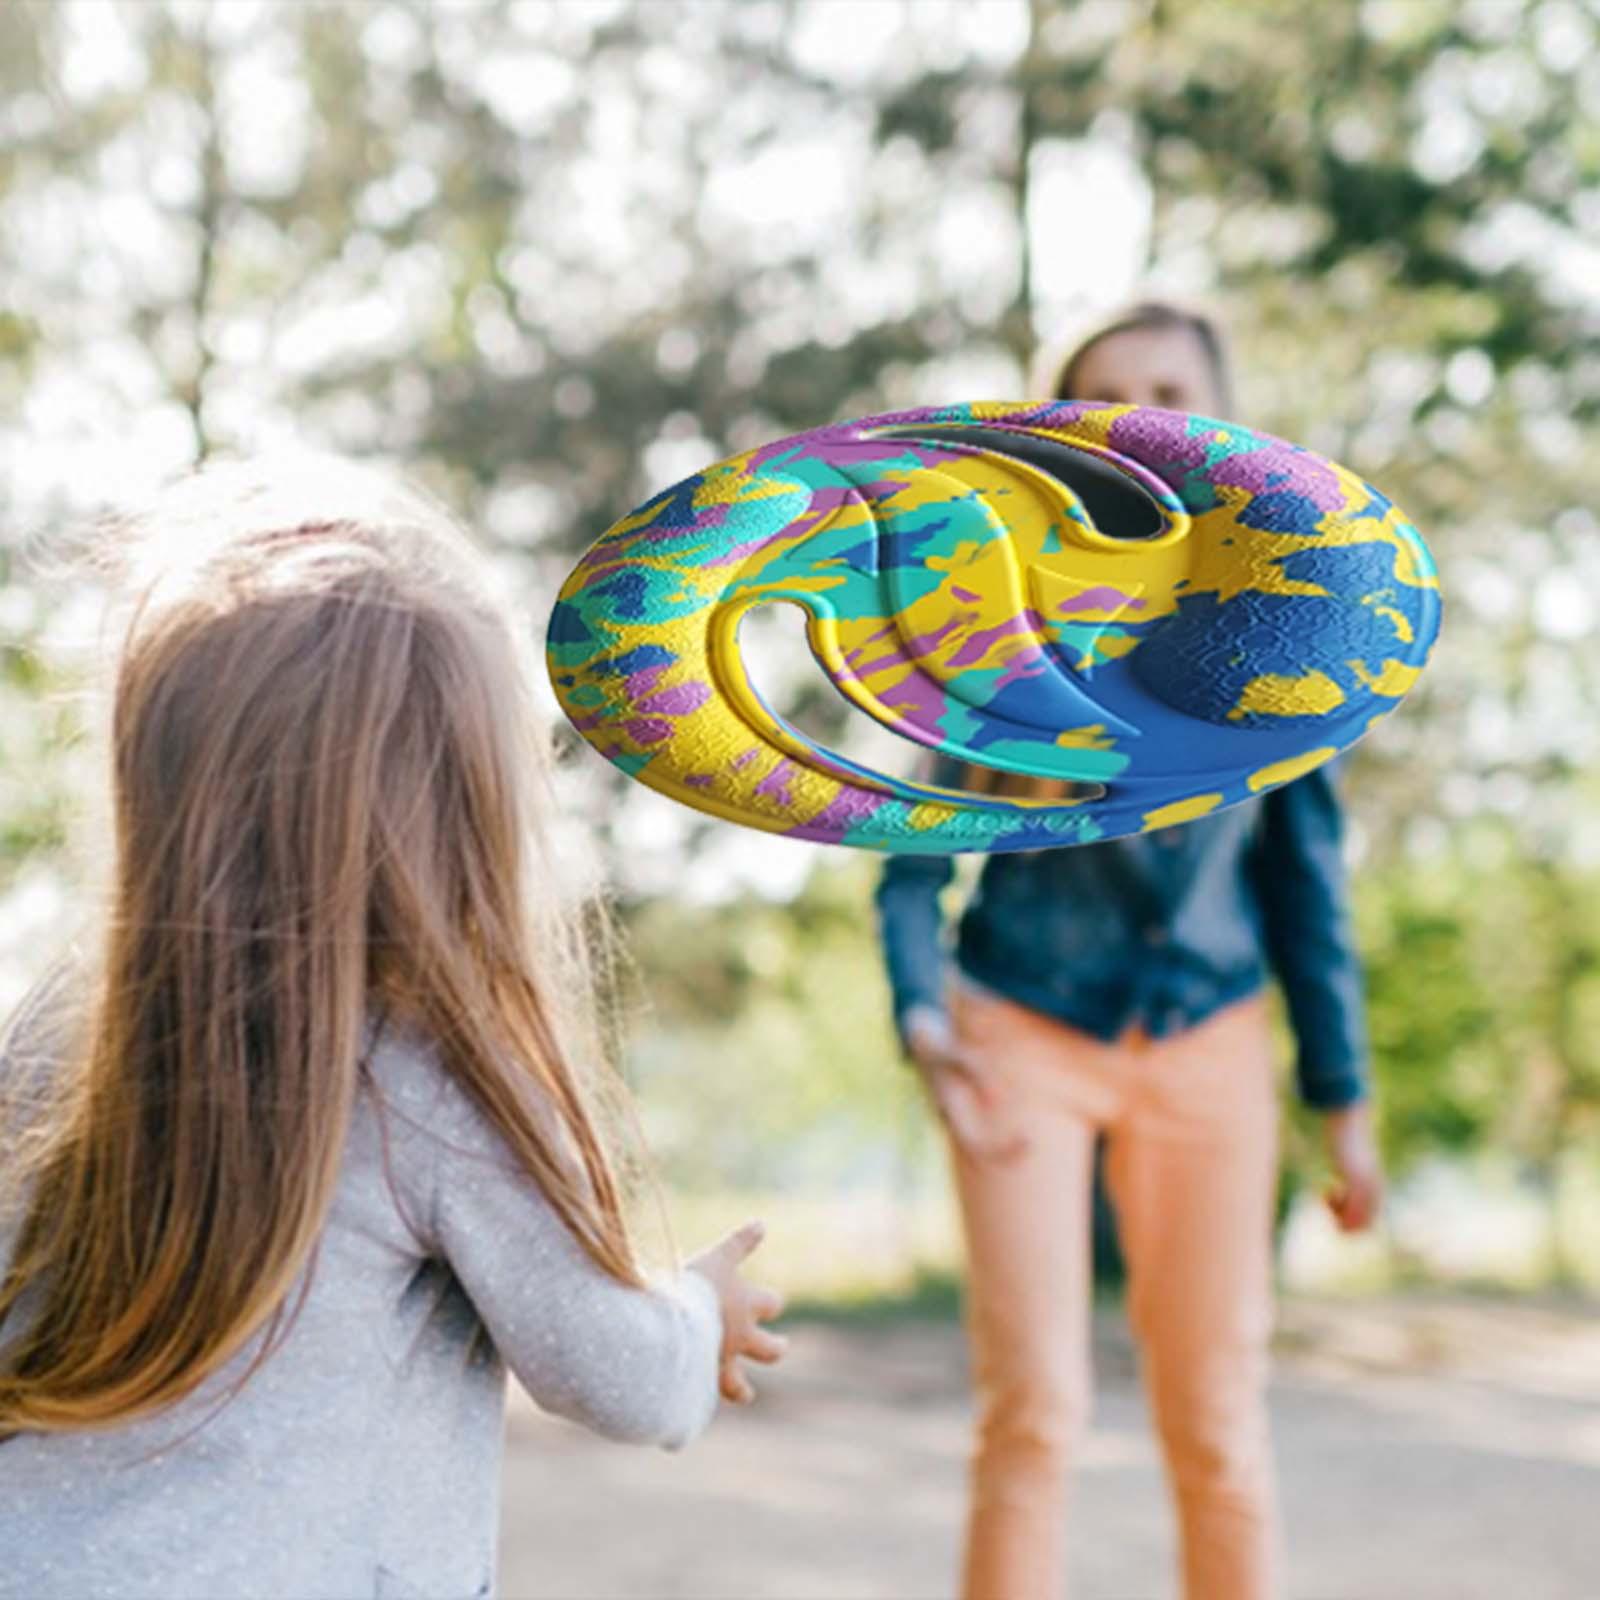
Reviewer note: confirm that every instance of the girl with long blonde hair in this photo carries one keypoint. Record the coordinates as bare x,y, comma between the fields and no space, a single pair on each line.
309,1137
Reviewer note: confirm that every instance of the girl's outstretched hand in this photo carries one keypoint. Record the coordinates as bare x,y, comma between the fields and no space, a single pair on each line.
1358,1190
962,1093
744,1307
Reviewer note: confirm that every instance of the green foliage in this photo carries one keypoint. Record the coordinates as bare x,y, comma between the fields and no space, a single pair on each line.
1481,972
764,1053
1430,1017
554,256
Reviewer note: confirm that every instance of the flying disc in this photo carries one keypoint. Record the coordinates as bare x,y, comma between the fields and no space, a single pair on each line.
1169,612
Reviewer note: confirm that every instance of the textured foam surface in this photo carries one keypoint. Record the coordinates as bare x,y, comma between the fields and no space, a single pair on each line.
1176,611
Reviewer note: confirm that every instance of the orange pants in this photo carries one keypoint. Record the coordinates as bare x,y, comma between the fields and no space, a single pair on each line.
1192,1125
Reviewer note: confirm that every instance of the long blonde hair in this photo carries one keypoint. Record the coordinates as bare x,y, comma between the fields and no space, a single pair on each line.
326,802
1157,316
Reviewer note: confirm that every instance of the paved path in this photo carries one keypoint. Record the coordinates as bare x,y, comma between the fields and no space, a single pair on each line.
1429,1451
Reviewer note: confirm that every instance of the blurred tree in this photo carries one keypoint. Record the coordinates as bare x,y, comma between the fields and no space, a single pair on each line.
763,1058
528,249
1398,206
556,255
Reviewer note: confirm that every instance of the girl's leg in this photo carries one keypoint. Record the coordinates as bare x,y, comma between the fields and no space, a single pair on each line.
1193,1174
1027,1238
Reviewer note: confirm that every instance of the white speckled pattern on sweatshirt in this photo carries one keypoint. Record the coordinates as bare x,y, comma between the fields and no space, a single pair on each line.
364,1458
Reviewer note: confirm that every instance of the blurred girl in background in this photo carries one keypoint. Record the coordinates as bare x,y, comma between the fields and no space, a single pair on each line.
1116,990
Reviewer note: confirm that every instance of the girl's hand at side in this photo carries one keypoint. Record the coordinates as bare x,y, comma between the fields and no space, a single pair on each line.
744,1307
1357,1194
963,1093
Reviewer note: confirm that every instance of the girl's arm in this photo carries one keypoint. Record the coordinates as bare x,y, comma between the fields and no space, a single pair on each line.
910,929
636,1365
1304,895
911,922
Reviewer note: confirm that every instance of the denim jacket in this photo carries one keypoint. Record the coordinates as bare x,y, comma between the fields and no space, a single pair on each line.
1162,928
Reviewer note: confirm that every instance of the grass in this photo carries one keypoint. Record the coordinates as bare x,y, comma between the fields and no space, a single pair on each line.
933,1295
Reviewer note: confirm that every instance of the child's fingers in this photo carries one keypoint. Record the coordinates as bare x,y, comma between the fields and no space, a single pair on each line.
763,1346
765,1304
744,1239
734,1385
732,1248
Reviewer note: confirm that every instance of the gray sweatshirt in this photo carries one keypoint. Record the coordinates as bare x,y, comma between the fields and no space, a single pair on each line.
363,1459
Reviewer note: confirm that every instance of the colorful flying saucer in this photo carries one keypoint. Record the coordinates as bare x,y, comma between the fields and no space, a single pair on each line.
1170,612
